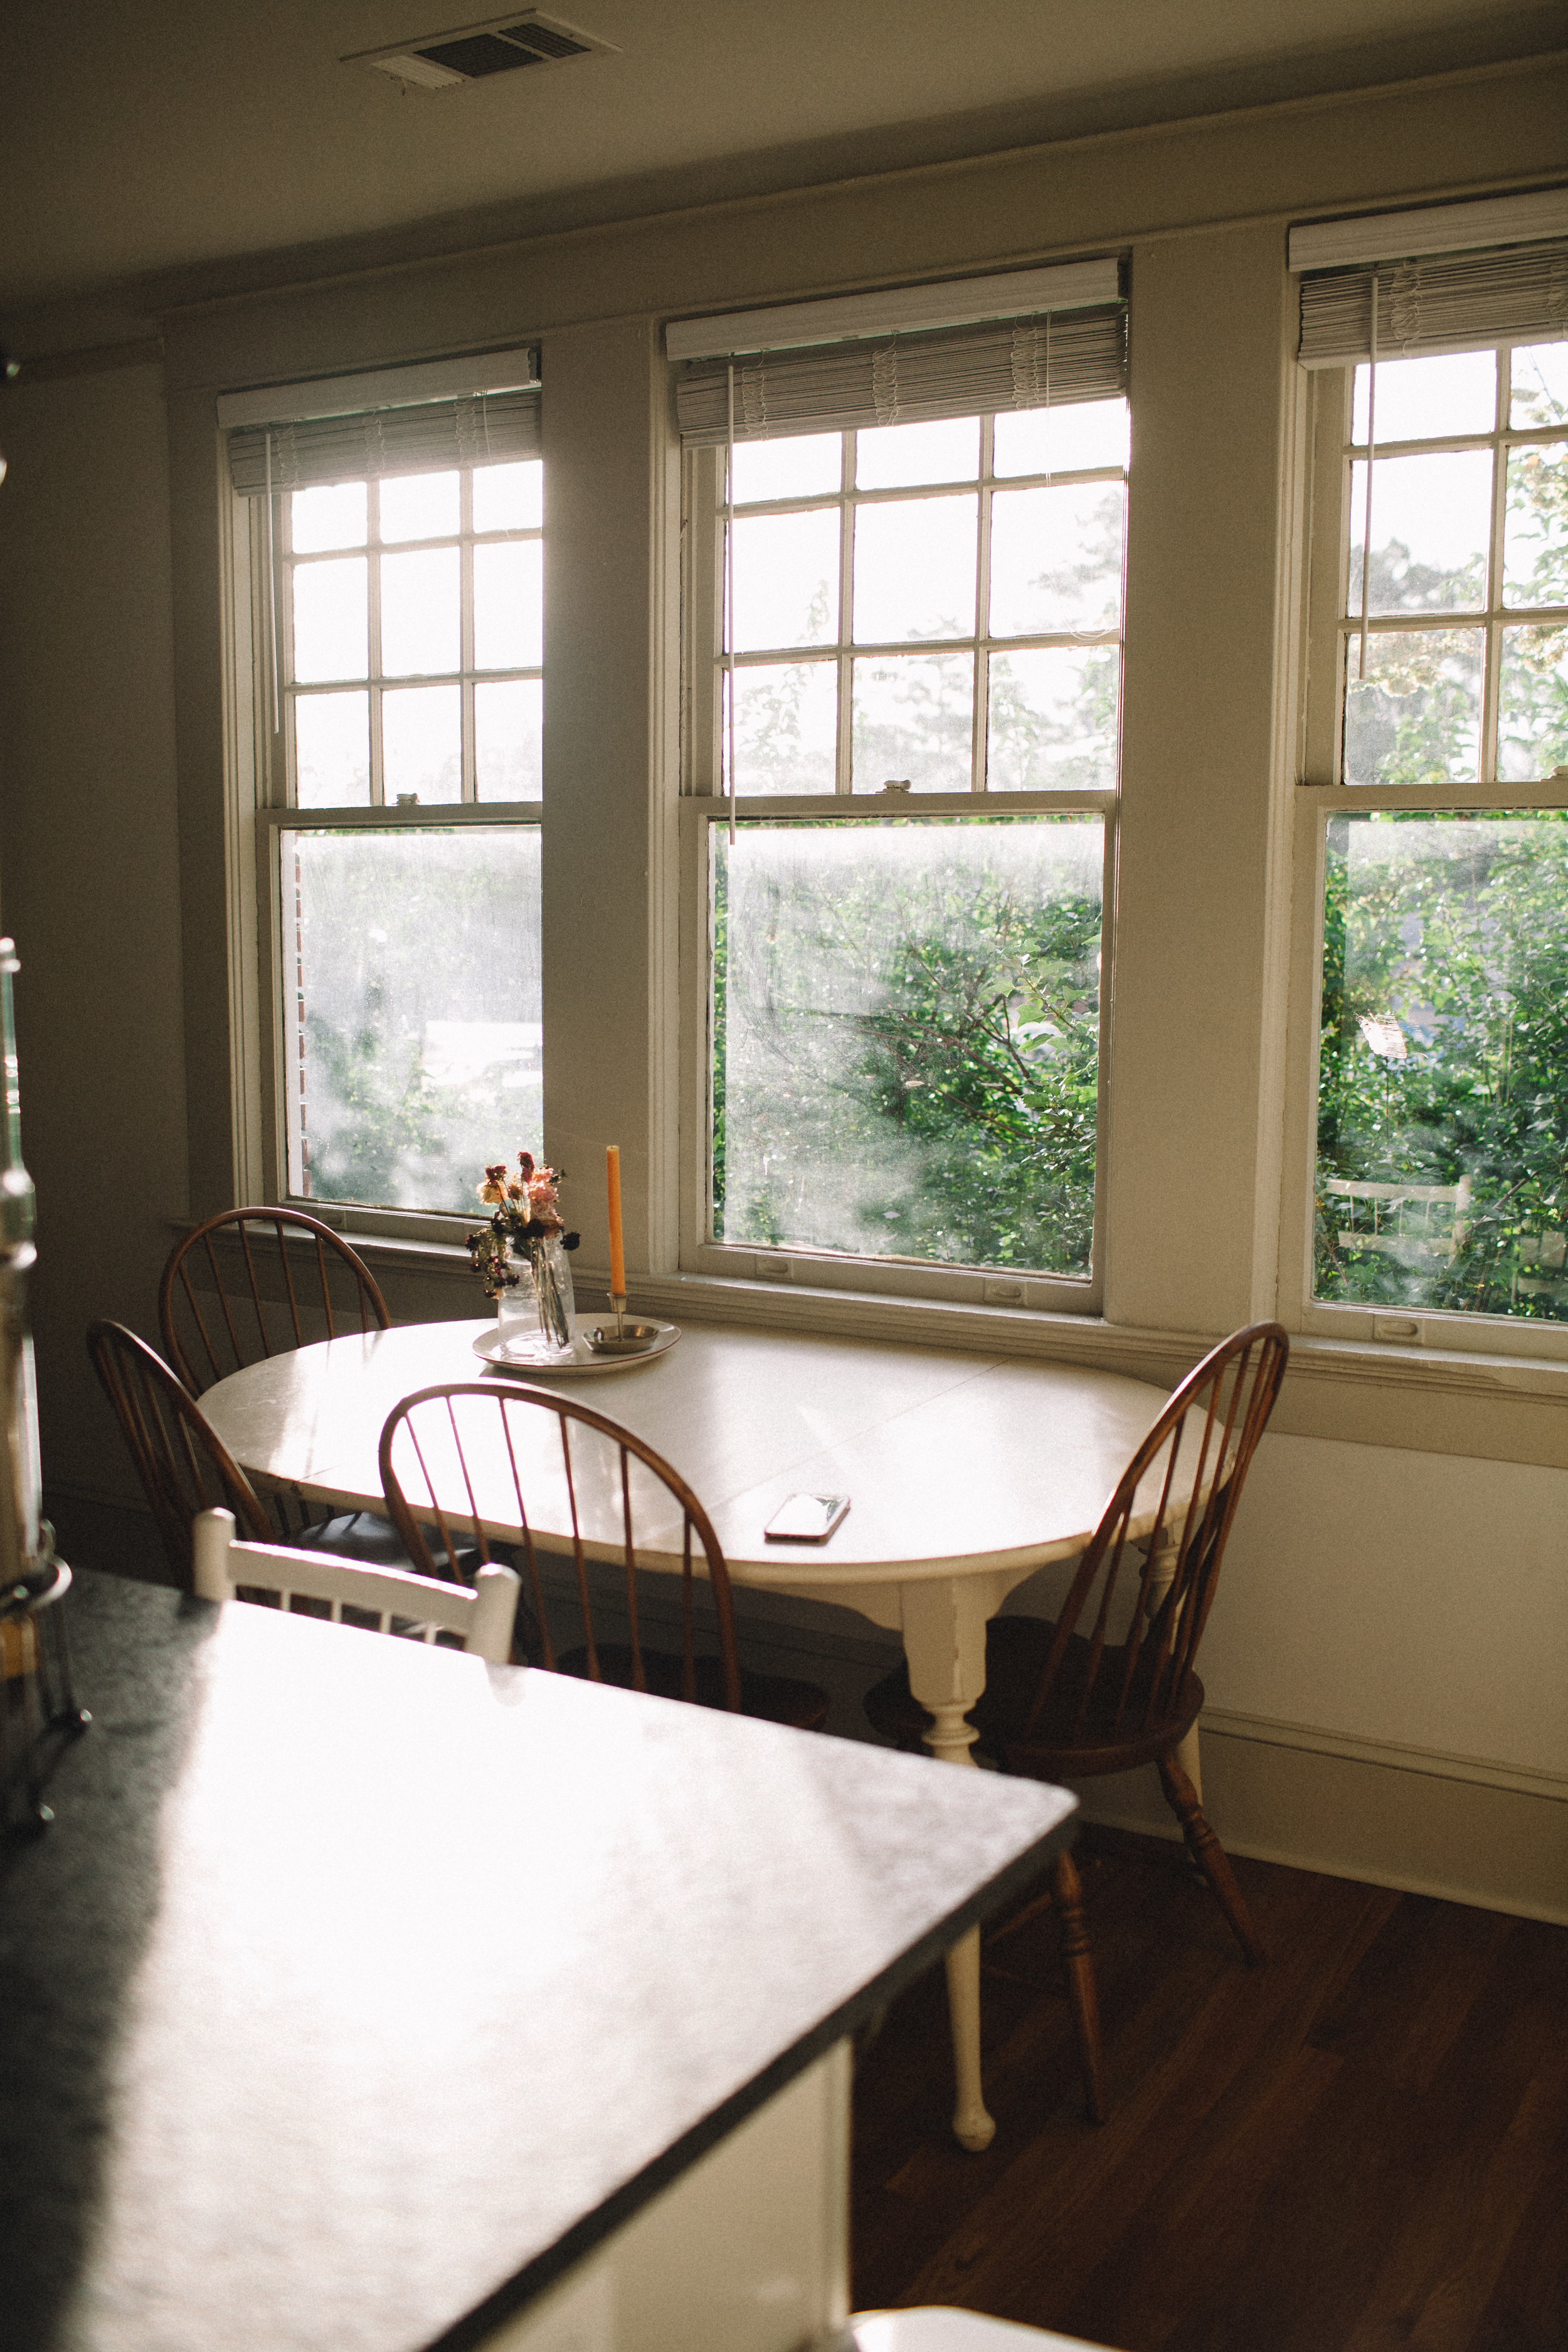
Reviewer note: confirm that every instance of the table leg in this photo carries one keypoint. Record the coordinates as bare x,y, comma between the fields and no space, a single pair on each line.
944,1641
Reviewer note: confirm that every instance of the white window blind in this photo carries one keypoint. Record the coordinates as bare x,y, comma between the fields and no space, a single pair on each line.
418,420
873,377
1438,303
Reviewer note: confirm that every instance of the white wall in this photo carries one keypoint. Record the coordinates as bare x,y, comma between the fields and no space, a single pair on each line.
90,873
1418,1600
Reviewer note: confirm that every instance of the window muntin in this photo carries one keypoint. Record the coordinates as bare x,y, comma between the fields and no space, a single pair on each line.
409,1023
896,590
1460,672
413,665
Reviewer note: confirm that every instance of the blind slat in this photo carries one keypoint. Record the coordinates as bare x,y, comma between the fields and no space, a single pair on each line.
1448,302
1068,355
486,428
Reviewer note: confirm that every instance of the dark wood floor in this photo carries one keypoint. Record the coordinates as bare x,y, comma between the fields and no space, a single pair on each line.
1362,2145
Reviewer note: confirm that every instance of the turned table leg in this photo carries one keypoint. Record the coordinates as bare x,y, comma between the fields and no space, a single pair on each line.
944,1641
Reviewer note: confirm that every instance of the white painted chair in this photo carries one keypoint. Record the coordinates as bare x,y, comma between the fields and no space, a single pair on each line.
483,1617
937,2328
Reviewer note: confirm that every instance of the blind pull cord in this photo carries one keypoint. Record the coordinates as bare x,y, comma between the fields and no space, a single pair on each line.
1366,509
729,661
272,591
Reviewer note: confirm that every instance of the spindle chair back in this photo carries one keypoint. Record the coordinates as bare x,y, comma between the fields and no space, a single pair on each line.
1117,1682
388,1601
184,1465
257,1282
568,1491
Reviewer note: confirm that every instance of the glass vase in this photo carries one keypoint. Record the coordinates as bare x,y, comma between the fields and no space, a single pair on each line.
551,1266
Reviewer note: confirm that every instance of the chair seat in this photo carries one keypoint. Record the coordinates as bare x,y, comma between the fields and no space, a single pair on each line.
771,1698
1016,1651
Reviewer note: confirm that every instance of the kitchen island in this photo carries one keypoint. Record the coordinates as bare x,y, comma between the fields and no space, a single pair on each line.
363,1995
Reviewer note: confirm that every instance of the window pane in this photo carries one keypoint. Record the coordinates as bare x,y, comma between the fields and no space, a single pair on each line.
510,498
914,570
1428,399
787,727
906,1029
787,580
1056,559
414,1068
913,717
1065,440
889,456
509,740
1416,718
1431,517
422,742
509,606
1535,530
1053,720
420,506
332,750
420,615
333,516
796,467
331,629
1443,1087
1539,383
1532,704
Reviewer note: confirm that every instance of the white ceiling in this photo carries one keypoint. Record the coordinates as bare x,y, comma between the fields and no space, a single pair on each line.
173,136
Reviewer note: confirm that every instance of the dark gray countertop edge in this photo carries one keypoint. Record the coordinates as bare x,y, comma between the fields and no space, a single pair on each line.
480,2324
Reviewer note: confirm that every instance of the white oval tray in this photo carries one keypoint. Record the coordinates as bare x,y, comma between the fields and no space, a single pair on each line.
509,1356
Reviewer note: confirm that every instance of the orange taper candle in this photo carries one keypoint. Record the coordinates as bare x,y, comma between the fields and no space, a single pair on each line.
617,1247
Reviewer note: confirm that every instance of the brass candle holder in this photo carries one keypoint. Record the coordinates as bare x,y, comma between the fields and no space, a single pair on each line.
626,1338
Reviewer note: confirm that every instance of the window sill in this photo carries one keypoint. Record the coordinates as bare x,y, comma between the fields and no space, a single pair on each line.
1355,1392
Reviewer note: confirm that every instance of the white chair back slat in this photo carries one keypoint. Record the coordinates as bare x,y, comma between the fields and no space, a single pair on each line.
483,1618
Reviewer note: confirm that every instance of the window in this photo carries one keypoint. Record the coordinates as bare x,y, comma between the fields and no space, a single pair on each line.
399,636
913,713
1440,597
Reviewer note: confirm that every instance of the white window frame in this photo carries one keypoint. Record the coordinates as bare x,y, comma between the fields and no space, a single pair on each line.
261,811
1319,798
704,806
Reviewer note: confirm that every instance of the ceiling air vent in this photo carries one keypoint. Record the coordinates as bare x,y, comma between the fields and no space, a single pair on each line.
474,52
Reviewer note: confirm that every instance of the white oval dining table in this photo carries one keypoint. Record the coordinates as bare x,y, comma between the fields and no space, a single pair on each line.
965,1473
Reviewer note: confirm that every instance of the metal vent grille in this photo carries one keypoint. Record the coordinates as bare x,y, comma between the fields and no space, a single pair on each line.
474,52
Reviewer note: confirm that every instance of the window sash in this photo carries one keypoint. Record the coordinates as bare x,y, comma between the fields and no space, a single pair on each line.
377,681
798,1267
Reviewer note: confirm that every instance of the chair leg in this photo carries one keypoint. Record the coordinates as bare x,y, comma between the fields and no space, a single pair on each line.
1077,1961
1209,1855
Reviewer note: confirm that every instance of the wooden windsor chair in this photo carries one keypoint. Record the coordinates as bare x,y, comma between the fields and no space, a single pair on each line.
184,1465
1109,1686
468,1462
258,1282
283,1280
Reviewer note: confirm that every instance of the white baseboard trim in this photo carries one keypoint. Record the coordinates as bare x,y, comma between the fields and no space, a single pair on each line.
1437,1762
